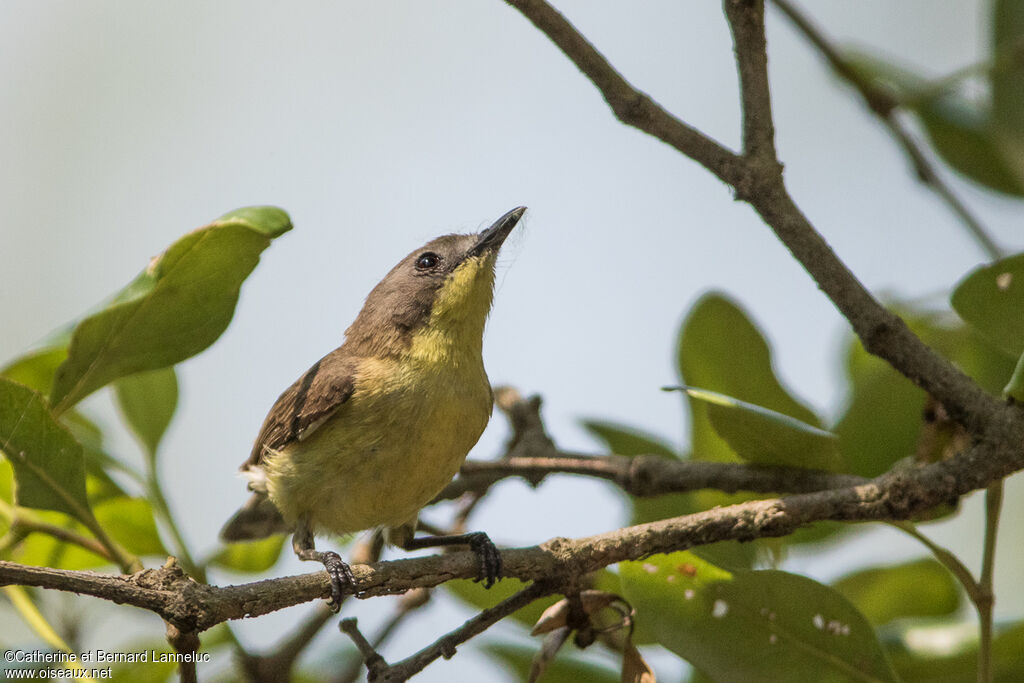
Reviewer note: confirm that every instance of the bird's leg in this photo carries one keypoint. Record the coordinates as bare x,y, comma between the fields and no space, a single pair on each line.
340,573
481,545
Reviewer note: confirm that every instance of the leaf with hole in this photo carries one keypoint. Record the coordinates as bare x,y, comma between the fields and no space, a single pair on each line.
753,625
991,299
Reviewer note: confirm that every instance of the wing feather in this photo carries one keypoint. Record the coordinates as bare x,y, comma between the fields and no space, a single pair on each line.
312,400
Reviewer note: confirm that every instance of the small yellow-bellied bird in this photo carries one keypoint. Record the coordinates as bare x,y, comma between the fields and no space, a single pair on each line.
376,428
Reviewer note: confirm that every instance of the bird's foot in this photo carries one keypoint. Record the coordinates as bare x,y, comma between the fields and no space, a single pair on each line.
487,554
341,577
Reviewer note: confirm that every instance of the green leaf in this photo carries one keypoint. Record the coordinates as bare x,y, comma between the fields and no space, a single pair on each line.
1015,387
722,350
474,594
129,521
251,557
753,625
48,468
515,661
991,298
922,588
1008,80
964,138
915,666
624,440
882,421
763,436
147,401
173,310
959,129
36,368
627,441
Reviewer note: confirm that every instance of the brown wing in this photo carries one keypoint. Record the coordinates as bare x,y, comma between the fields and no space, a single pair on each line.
306,404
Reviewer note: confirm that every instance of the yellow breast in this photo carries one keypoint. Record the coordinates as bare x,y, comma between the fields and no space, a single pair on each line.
390,449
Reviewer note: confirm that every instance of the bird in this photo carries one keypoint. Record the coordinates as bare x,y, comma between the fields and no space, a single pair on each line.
375,429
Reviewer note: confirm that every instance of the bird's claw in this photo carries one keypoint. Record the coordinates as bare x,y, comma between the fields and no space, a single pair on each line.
487,553
341,577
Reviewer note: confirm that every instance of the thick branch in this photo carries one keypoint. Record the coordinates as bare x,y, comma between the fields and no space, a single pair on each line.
883,333
647,475
191,606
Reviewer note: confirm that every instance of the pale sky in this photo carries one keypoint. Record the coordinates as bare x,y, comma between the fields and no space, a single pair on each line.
379,126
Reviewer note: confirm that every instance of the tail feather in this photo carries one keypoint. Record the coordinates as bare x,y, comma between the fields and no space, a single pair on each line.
258,518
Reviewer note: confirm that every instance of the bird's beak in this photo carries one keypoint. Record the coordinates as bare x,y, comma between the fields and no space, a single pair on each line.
492,238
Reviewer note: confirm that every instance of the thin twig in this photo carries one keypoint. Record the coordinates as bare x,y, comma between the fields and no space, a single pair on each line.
408,603
993,508
746,21
884,105
945,558
445,645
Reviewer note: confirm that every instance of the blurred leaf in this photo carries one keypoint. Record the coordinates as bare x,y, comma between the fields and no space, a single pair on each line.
722,350
6,481
48,468
251,557
474,594
98,484
147,401
1007,662
882,421
991,298
624,440
36,368
959,129
173,310
30,614
151,670
1015,387
753,625
515,661
922,588
131,523
1008,80
765,437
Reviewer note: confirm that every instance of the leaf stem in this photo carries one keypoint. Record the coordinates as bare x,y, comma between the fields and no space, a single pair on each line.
993,508
946,558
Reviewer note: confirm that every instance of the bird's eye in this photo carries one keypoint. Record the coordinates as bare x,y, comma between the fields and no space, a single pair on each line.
427,261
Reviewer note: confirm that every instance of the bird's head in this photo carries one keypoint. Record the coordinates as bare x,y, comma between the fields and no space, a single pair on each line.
440,294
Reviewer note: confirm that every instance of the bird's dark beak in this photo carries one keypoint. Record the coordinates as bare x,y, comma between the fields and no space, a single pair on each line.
492,238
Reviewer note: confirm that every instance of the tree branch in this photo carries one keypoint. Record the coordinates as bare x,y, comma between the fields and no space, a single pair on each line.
379,670
881,103
646,475
901,494
746,21
632,107
882,333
